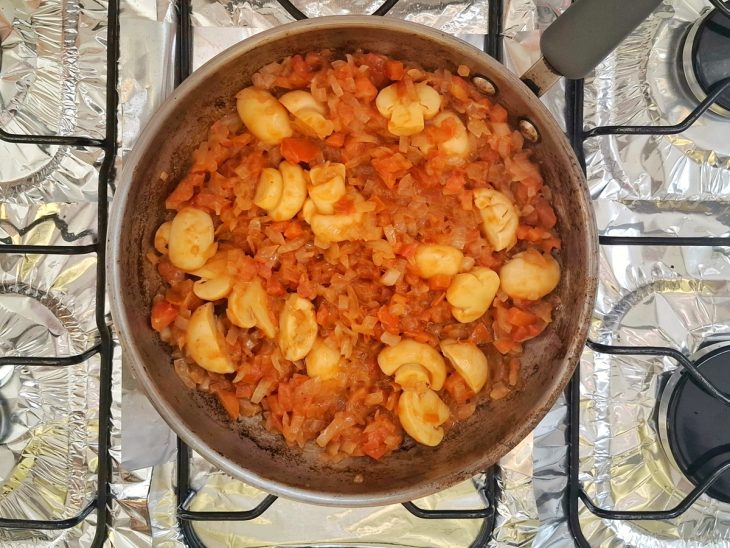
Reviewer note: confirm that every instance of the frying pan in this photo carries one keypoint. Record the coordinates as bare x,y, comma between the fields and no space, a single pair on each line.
572,46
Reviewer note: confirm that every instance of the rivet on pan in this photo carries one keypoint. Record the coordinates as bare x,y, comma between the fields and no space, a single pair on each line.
529,131
484,85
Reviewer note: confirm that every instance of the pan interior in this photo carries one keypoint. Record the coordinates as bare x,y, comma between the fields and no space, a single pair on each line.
246,449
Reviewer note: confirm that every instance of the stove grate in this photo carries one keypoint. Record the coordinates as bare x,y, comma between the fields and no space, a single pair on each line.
100,504
574,122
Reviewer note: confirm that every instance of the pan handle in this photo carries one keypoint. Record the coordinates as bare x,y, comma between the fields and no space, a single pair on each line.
582,37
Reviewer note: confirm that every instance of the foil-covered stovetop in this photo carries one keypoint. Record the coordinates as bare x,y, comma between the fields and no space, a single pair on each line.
52,79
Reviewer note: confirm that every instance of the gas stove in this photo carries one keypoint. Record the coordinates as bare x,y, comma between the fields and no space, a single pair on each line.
636,453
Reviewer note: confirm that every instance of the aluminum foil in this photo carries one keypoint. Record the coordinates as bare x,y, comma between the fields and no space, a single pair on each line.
52,82
453,16
48,224
48,415
656,185
676,297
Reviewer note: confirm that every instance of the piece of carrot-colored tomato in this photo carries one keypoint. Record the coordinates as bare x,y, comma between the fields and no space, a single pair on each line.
296,149
163,314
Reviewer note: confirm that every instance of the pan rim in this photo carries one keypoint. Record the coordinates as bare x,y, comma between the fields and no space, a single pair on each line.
166,410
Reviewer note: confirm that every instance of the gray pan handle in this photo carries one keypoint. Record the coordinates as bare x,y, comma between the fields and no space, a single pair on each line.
583,36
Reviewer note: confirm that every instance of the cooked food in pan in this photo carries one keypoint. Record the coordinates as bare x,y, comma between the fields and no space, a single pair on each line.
357,254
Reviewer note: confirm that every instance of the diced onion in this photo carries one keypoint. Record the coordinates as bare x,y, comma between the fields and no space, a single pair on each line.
389,232
390,277
467,263
262,389
389,338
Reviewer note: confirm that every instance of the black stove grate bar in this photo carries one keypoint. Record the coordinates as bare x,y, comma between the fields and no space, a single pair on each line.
49,249
51,140
670,241
49,525
452,514
50,361
716,91
105,347
299,15
574,94
183,490
184,41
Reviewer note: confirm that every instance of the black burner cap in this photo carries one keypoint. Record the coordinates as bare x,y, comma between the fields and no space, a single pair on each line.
698,425
711,54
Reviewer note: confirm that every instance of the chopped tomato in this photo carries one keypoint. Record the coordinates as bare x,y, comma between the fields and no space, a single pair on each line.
519,317
457,388
524,333
390,322
466,200
376,63
364,88
394,70
229,401
440,281
274,287
184,190
323,315
407,250
532,233
379,437
454,184
503,346
480,334
293,230
168,272
498,113
286,396
545,213
336,140
443,132
297,149
420,336
210,201
390,168
163,314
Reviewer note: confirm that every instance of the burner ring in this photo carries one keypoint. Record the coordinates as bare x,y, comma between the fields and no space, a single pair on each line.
706,58
691,421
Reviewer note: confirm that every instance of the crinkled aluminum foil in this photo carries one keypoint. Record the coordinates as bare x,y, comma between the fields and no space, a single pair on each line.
52,82
454,16
656,185
676,297
48,415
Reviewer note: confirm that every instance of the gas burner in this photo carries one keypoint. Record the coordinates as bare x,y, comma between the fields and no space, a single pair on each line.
706,58
693,424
